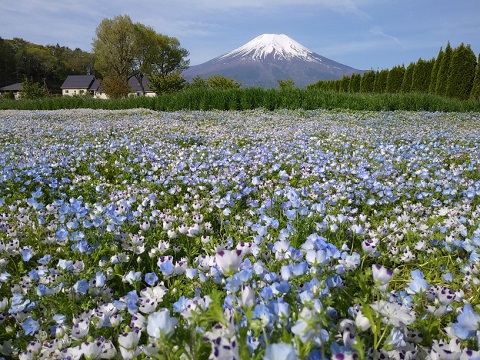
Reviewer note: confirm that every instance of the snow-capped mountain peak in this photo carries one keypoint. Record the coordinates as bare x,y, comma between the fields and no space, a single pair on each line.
276,46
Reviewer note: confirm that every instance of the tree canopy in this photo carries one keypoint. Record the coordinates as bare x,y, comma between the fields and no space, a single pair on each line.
123,49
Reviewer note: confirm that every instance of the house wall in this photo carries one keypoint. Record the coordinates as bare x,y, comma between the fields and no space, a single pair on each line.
73,92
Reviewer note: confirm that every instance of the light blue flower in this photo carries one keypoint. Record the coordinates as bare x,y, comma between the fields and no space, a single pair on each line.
151,278
280,351
81,287
418,283
467,324
30,326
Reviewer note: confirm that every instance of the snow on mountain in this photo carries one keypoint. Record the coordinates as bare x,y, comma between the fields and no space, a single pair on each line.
268,58
278,46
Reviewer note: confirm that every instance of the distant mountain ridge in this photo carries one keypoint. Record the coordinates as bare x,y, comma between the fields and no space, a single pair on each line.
268,58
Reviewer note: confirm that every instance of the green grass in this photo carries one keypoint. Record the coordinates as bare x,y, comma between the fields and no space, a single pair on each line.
252,98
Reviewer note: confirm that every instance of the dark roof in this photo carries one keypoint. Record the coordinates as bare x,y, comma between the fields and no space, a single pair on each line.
78,82
95,85
13,87
135,85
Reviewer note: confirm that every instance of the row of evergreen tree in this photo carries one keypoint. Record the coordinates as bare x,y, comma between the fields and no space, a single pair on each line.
454,73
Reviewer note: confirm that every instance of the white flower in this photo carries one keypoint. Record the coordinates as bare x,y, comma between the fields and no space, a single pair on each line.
395,314
161,324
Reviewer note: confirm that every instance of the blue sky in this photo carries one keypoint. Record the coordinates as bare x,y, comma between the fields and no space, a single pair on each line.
365,34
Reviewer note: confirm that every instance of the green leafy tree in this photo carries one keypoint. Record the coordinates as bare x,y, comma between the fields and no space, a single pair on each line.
395,79
159,57
422,73
407,78
344,83
220,82
197,83
286,84
475,93
115,48
115,86
380,83
366,84
32,90
436,67
172,82
443,71
124,49
462,72
354,85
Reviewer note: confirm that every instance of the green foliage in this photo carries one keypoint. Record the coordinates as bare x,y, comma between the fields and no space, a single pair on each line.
443,71
366,84
475,93
354,85
220,82
115,47
123,49
421,76
380,82
252,98
8,95
167,83
462,72
197,83
115,86
286,84
344,83
49,65
31,90
435,70
407,78
395,79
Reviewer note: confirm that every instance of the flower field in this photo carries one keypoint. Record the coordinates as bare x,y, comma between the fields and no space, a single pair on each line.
239,234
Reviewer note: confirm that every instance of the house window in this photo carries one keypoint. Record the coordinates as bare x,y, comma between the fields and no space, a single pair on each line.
66,91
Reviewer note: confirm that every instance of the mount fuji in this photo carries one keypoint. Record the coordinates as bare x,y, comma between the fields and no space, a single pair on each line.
268,58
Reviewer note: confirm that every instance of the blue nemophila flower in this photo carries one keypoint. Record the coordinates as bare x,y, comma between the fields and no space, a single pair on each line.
44,260
418,283
30,326
151,278
27,254
81,287
468,322
280,351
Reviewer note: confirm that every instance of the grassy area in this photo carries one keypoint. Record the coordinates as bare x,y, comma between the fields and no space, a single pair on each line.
252,98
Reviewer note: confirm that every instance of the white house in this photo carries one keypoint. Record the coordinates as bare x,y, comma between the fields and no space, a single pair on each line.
83,84
16,89
78,85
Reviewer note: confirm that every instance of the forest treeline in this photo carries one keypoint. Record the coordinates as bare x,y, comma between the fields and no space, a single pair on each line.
47,65
455,72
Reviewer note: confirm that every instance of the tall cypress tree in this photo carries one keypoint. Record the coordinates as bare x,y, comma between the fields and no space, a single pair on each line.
421,75
344,82
366,84
380,82
395,79
462,72
354,85
407,78
436,67
475,93
443,70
